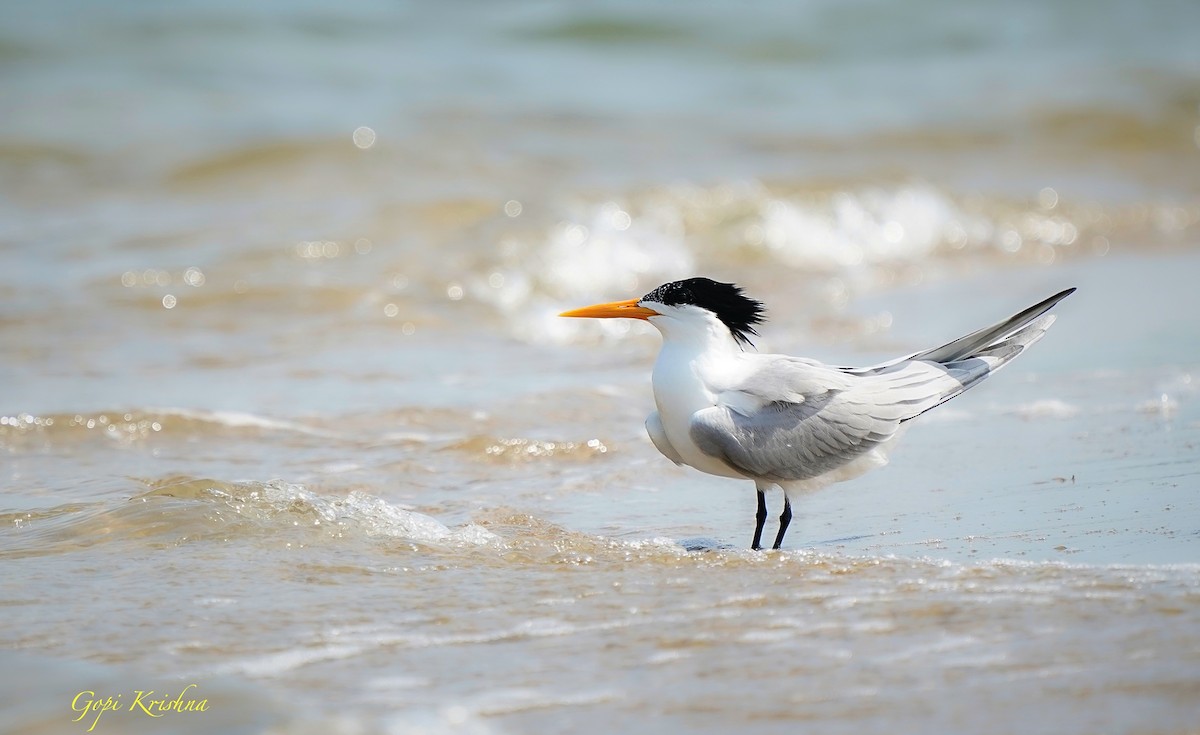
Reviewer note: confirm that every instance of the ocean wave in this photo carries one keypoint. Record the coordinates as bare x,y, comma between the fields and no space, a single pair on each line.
140,424
852,237
178,510
520,264
357,512
518,449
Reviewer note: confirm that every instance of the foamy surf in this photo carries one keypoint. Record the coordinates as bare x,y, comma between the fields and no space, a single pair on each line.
863,238
277,501
125,426
181,510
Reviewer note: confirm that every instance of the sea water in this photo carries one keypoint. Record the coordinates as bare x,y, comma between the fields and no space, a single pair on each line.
286,412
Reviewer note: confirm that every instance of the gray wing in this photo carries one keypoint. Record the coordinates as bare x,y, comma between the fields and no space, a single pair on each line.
792,419
658,435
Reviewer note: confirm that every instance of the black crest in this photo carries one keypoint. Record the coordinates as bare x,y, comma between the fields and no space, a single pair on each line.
739,312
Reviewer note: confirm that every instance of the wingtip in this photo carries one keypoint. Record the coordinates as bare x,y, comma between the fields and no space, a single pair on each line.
1058,297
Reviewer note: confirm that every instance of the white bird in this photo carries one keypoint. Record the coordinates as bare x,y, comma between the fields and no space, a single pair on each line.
727,410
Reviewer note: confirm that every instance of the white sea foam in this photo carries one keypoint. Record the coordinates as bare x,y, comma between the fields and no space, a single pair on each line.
241,420
1164,406
854,229
275,664
373,515
608,250
514,700
598,252
450,719
1050,408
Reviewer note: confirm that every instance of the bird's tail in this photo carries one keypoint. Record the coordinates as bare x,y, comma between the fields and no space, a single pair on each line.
980,363
1018,331
958,365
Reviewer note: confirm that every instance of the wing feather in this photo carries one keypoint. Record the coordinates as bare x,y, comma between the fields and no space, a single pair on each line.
791,420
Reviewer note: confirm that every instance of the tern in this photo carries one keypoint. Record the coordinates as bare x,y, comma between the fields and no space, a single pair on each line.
792,422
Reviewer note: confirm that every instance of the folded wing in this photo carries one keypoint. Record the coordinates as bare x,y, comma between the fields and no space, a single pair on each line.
792,419
795,420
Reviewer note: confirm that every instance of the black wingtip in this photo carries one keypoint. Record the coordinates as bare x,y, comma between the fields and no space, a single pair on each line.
1058,297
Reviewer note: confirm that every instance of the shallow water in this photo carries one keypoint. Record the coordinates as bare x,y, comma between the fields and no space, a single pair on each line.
286,412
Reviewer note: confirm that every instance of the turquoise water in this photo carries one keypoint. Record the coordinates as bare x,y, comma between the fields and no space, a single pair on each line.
286,412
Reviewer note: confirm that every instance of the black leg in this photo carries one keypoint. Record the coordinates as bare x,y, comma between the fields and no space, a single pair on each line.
761,517
784,519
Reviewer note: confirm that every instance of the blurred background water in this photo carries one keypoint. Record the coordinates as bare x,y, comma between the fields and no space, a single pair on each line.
286,409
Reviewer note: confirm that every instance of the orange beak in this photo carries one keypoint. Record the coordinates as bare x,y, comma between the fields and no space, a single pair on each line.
613,310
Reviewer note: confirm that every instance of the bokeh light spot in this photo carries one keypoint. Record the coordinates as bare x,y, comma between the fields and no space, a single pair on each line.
1048,198
193,277
364,137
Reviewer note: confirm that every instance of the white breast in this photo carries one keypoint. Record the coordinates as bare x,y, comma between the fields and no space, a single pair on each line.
681,381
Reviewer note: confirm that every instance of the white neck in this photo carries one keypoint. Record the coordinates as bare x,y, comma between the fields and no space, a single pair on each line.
698,356
697,350
691,332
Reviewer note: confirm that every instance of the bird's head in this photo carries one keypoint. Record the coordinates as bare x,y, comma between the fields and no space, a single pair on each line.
690,304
